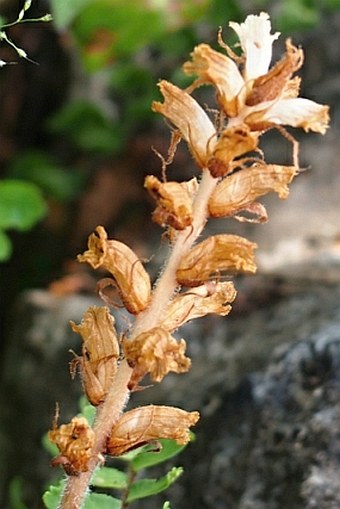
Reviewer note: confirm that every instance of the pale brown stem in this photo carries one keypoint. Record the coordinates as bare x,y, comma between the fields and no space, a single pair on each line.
167,284
110,410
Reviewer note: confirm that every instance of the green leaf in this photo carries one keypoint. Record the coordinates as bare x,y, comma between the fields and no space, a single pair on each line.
144,459
109,477
15,494
87,410
49,447
166,505
5,247
39,168
100,501
21,205
64,11
87,127
147,487
51,497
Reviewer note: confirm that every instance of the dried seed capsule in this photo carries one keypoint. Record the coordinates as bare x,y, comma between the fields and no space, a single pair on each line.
132,280
141,425
237,191
100,352
216,254
74,441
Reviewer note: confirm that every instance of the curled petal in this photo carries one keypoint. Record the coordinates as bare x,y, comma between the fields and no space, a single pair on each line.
299,112
174,202
237,191
216,254
271,85
234,142
132,280
141,425
74,441
222,72
187,116
211,297
100,352
256,42
253,213
155,352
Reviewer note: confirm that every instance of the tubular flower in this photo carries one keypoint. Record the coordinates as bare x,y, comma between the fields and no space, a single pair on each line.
141,425
258,96
100,352
132,280
214,255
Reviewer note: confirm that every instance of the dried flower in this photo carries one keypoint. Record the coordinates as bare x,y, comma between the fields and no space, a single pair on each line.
212,297
74,441
155,352
258,97
238,191
141,425
174,202
216,254
132,280
100,352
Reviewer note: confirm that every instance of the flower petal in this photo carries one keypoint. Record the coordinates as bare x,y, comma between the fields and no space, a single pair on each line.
299,112
219,70
188,116
256,42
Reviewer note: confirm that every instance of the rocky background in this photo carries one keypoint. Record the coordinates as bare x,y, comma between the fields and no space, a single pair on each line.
266,379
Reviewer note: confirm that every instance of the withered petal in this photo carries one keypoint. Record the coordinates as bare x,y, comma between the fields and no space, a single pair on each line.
212,297
100,352
187,115
174,202
221,71
237,191
74,441
155,352
214,255
141,425
132,280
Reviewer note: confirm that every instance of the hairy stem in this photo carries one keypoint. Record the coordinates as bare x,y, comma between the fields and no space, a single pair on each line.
110,410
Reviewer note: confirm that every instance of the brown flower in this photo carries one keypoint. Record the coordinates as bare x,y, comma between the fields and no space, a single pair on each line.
132,280
100,352
141,425
214,255
155,352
